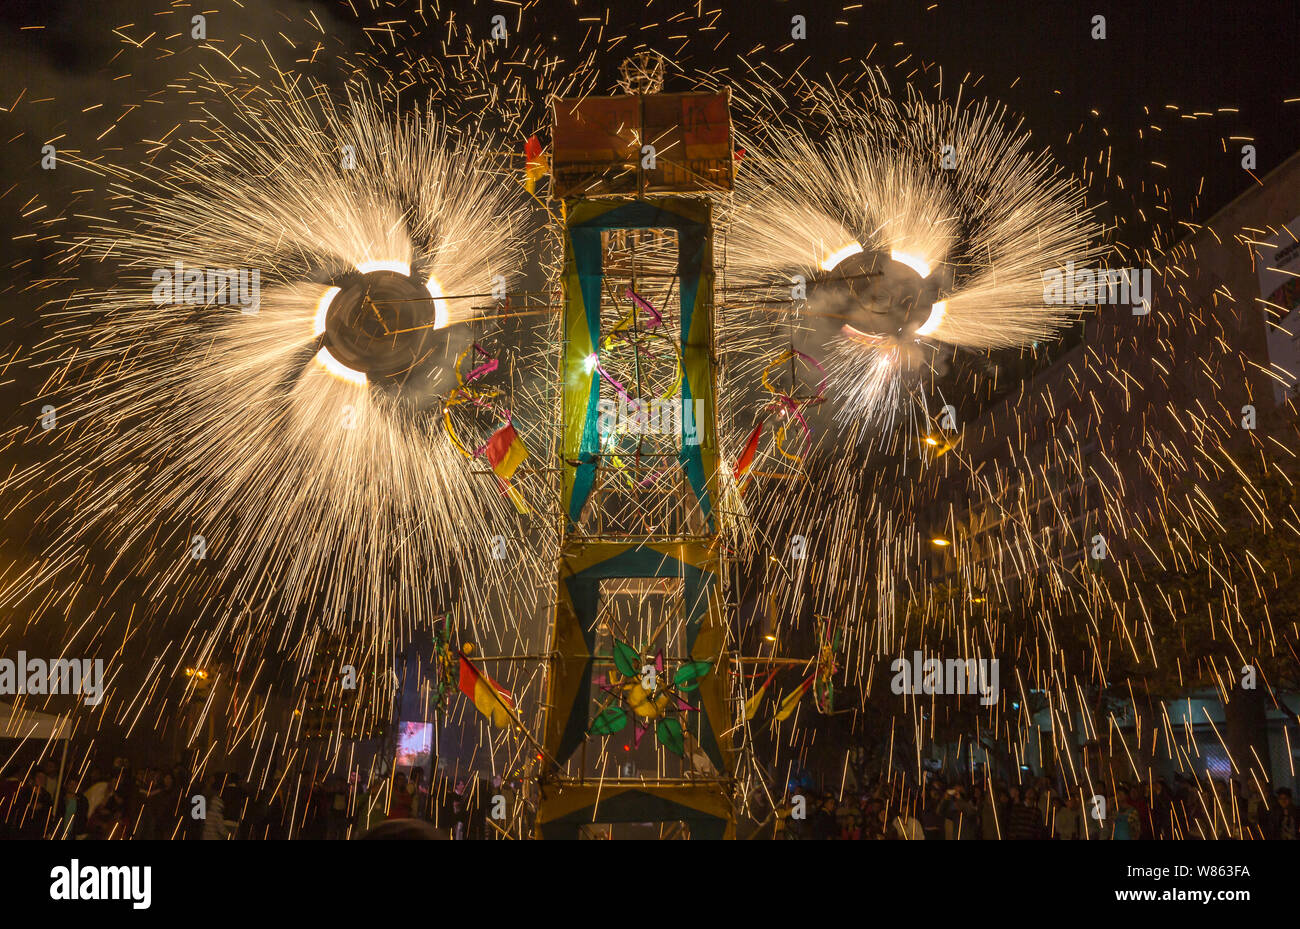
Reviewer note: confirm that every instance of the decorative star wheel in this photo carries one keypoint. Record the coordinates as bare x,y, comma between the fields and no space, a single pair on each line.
642,692
830,641
443,682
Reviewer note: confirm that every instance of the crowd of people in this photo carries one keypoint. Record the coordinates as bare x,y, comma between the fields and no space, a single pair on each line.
122,802
966,808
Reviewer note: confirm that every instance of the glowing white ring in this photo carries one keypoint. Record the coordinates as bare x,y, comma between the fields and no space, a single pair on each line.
916,263
338,369
401,267
932,322
323,357
835,257
441,312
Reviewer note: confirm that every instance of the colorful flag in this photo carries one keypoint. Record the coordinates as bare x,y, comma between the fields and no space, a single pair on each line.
534,163
490,698
791,700
756,700
505,452
747,456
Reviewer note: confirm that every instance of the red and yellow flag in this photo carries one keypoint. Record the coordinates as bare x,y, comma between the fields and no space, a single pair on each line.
534,163
490,698
505,452
747,456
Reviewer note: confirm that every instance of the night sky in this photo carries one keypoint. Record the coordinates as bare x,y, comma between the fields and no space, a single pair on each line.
1078,95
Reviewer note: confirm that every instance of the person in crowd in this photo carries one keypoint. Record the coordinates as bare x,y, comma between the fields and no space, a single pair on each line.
97,792
1068,821
459,817
479,804
234,797
931,819
214,818
369,805
1032,800
404,830
1127,823
907,827
849,819
109,821
797,824
1098,816
1023,818
72,820
1282,820
824,825
399,800
506,804
879,820
781,820
419,794
1138,801
1046,799
191,789
993,803
334,799
961,815
1258,810
33,807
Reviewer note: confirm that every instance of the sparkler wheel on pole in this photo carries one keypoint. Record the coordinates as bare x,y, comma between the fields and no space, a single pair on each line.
877,295
384,324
